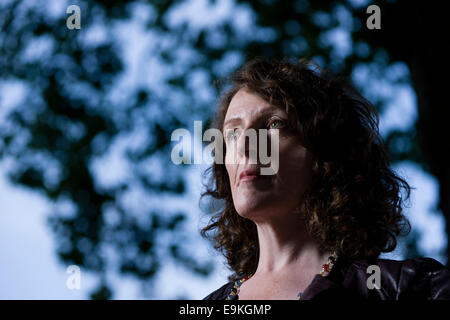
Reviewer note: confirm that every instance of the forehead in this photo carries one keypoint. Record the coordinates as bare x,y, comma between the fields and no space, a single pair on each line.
246,104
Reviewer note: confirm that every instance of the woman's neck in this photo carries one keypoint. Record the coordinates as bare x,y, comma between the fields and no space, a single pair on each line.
284,244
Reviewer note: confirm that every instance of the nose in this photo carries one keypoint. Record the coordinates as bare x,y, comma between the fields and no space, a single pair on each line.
248,143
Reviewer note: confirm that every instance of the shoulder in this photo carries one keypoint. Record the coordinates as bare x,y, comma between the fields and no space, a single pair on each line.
221,293
405,279
421,266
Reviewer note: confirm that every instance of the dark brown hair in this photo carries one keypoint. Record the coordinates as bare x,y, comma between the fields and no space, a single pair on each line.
354,203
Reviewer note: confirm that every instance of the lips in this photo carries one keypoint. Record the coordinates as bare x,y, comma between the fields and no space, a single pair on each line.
250,174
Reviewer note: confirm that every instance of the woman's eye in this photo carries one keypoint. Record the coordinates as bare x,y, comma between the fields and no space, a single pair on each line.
232,134
276,124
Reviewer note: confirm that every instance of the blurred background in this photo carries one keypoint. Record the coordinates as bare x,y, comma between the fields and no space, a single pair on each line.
86,117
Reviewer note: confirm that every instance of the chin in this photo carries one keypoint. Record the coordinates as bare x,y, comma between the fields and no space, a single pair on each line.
253,210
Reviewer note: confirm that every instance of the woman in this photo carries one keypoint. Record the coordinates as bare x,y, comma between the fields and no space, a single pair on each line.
316,227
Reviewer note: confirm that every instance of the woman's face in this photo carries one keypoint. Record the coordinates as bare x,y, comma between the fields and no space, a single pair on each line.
262,197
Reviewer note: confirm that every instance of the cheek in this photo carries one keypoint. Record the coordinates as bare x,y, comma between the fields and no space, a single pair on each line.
231,163
231,170
230,154
295,165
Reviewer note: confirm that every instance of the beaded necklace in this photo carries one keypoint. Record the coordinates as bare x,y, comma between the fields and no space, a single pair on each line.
324,271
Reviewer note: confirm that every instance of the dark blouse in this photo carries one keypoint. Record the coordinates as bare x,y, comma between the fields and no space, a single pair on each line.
418,278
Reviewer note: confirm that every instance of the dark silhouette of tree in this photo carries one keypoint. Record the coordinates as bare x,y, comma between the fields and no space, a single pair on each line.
68,120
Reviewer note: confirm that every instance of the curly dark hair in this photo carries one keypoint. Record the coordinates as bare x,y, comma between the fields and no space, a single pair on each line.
354,203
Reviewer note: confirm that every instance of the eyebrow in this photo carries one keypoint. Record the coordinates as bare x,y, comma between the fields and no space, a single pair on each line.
232,120
237,119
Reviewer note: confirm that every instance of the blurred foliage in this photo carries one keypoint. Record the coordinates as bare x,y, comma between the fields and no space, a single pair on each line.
70,118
